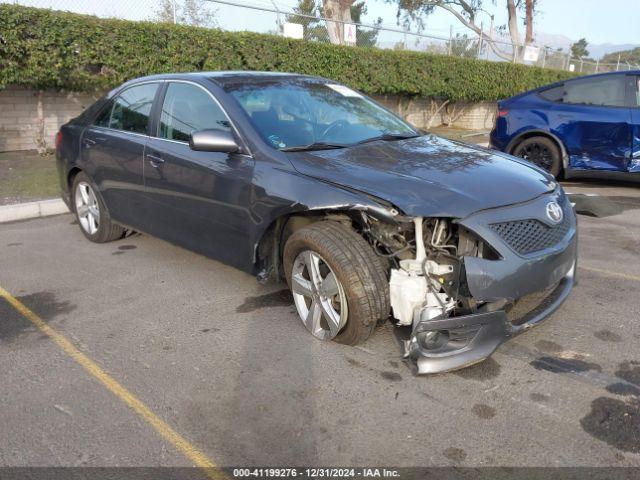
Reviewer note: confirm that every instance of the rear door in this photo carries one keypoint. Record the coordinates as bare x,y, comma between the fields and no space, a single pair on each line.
634,95
112,151
199,200
594,121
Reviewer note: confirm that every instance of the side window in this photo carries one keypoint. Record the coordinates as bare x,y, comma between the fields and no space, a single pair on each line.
553,94
103,118
607,91
132,108
636,91
186,109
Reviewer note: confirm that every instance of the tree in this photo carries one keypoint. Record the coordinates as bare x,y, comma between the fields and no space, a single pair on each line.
365,37
579,49
467,12
625,56
190,12
463,46
315,28
337,10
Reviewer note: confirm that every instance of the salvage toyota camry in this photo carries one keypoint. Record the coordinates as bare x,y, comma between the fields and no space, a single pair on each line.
302,179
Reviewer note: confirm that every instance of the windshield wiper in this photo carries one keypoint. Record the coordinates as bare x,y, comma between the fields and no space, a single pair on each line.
389,137
314,146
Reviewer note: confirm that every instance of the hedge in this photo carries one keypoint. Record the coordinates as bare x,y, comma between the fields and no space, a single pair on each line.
51,49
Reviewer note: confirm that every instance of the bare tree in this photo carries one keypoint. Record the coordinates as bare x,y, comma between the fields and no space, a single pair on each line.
189,12
467,12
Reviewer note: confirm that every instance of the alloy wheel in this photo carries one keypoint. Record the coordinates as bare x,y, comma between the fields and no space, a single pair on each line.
539,155
318,296
87,208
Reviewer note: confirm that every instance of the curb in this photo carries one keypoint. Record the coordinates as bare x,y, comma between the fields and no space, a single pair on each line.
24,211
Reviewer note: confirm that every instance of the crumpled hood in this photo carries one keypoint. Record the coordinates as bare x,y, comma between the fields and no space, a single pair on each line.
428,175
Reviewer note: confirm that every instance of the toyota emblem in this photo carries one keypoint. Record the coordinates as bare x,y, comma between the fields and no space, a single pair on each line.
554,212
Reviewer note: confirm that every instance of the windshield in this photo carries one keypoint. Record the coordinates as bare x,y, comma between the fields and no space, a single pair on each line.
294,114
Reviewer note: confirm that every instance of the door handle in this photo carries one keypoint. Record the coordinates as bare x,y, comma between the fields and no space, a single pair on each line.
88,143
155,160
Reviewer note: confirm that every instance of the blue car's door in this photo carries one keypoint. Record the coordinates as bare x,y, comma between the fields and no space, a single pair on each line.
594,121
634,163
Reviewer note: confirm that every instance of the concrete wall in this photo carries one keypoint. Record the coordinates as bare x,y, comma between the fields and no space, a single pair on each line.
29,119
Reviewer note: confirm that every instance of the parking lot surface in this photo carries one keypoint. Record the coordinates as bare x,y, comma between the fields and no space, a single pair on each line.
225,362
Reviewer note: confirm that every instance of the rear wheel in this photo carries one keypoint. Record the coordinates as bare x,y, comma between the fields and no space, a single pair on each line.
339,285
91,212
540,151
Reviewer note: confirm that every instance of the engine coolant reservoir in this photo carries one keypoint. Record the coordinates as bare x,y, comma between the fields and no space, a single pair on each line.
408,292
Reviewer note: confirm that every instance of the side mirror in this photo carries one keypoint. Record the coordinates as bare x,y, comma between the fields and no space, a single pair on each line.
213,140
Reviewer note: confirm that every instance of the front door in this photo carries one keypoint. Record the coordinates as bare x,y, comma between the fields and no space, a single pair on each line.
199,200
594,121
112,152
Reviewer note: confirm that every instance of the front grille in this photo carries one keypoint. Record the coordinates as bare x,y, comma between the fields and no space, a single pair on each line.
529,236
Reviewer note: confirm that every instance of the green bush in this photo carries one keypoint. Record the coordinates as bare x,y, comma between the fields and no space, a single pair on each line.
51,49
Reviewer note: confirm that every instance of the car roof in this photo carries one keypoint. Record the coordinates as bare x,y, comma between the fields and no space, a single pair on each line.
231,76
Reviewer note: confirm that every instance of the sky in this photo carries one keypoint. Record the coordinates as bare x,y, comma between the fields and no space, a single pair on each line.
599,21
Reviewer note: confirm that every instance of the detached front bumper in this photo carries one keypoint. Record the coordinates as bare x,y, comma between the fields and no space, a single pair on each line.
473,338
535,284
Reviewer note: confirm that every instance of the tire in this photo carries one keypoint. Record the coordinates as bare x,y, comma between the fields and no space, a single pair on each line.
359,271
541,151
105,230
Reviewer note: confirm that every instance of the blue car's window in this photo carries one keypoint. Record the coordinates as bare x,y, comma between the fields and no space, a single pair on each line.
187,109
637,92
605,91
294,114
132,108
553,94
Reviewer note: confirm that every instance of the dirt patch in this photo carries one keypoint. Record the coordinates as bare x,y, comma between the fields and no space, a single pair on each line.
549,346
562,365
539,397
280,298
615,422
607,336
483,411
44,304
456,455
127,247
391,376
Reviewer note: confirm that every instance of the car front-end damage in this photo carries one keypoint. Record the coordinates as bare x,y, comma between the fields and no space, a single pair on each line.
465,286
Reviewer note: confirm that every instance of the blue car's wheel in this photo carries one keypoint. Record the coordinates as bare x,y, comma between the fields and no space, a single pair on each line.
540,151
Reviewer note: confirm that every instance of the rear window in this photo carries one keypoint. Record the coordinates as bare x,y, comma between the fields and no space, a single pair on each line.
553,94
604,91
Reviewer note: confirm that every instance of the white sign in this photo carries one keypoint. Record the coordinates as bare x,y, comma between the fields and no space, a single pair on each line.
344,91
572,67
349,34
293,30
531,53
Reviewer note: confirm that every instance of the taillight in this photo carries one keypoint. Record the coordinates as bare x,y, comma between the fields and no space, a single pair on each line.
58,140
503,112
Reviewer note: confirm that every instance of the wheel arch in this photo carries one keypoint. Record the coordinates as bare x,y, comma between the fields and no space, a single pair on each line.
540,133
268,251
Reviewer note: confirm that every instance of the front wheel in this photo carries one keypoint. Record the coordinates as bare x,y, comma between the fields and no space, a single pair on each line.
339,285
91,212
540,151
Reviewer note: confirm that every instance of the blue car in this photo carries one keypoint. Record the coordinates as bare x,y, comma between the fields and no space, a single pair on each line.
583,127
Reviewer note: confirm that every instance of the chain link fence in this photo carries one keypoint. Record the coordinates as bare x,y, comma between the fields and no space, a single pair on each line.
268,16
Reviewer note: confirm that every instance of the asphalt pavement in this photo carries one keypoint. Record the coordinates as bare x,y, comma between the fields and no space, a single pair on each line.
224,363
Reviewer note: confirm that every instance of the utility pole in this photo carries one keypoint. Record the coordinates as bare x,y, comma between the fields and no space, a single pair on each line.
450,38
175,16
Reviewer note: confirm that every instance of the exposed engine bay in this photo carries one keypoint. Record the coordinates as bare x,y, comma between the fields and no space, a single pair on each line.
430,292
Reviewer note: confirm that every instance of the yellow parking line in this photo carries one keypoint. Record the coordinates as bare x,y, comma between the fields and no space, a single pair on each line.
611,273
168,433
